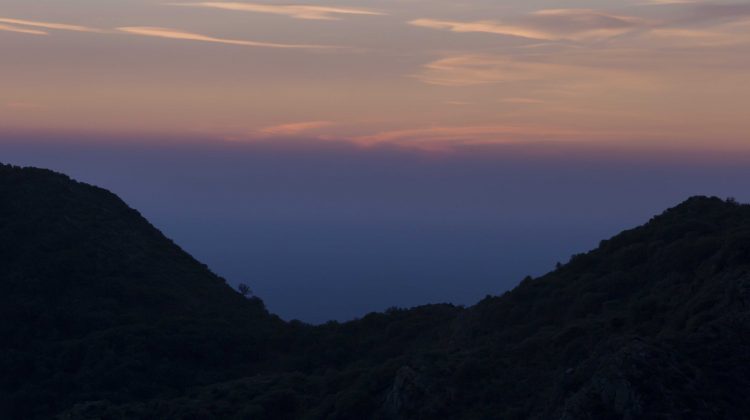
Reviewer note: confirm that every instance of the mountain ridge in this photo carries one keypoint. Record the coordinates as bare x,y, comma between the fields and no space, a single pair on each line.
105,318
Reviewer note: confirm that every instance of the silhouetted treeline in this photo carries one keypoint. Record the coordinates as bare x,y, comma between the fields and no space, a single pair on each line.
102,317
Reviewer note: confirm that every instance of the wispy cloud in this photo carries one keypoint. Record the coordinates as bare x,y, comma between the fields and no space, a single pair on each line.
47,25
10,28
190,36
475,69
547,25
668,2
295,128
547,78
488,27
30,27
475,134
581,25
293,11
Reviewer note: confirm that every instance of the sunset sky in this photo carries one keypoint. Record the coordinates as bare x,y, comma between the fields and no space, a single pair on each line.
348,156
422,73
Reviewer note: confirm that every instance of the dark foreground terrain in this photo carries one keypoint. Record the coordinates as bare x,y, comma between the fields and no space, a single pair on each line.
102,317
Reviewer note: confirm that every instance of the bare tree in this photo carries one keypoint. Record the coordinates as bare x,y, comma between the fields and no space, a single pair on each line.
244,289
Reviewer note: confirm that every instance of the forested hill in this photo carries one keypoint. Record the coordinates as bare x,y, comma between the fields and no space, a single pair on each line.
96,304
102,317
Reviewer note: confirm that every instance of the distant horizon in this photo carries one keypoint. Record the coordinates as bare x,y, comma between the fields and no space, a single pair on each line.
390,153
337,232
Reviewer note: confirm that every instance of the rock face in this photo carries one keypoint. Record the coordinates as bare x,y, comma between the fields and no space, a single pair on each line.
102,317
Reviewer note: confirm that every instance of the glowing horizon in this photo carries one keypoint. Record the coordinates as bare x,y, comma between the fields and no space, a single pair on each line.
632,73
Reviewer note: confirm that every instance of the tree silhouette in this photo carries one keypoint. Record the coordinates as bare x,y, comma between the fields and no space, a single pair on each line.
244,289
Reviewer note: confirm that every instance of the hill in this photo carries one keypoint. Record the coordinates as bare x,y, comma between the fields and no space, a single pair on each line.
105,318
96,304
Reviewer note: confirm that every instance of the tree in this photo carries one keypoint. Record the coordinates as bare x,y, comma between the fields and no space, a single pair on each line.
244,289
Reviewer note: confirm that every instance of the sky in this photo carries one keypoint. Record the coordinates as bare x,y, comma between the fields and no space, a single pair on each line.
335,231
342,157
427,73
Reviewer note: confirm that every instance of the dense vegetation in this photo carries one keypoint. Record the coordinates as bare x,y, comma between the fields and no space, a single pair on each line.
102,317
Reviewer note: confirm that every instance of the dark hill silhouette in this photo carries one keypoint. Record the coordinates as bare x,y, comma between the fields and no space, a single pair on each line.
105,318
95,303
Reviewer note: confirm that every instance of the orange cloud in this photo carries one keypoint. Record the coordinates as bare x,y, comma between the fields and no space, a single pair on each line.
293,11
668,2
48,25
735,32
189,36
493,133
295,128
470,70
10,28
548,25
488,27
